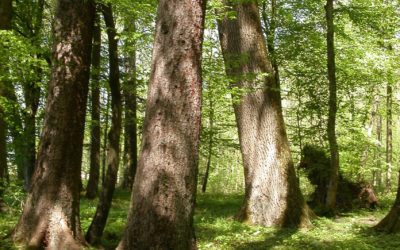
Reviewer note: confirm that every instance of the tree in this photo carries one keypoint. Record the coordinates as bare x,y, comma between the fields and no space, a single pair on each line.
389,93
5,14
94,175
103,207
130,93
50,218
272,194
164,189
331,130
5,23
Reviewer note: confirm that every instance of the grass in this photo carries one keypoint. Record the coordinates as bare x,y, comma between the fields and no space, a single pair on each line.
216,228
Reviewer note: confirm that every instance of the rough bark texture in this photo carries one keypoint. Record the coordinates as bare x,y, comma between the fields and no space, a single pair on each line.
50,218
272,195
103,207
164,190
5,14
130,143
105,141
391,222
389,138
94,175
331,130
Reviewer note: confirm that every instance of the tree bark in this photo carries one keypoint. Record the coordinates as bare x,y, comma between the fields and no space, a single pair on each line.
100,218
389,138
94,174
5,14
50,218
272,195
130,142
331,130
164,190
391,222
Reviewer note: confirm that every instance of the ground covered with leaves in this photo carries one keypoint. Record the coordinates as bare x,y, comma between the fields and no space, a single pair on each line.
217,229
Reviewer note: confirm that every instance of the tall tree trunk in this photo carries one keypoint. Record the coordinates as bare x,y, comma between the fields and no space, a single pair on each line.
272,195
378,154
210,145
50,218
32,98
164,190
105,141
94,174
130,142
370,127
5,14
389,137
331,130
103,207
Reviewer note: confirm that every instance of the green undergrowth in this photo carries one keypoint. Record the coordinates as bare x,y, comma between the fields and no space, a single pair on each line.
216,227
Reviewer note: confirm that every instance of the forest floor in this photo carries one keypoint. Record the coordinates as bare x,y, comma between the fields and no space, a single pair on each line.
216,228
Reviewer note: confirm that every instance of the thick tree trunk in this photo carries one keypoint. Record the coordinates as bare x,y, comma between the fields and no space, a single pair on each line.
100,218
164,190
130,142
5,14
391,222
389,138
331,130
94,174
50,218
272,195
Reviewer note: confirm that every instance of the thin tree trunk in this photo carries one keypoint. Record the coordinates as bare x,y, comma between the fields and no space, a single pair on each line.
164,190
130,143
105,141
272,195
100,218
370,127
331,130
32,98
378,154
50,218
3,146
389,138
210,145
94,175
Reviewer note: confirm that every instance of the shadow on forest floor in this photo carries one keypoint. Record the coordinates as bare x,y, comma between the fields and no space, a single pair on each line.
216,228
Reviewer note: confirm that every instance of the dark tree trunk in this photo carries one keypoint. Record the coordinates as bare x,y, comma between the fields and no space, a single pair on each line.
130,143
32,98
5,14
331,131
391,222
272,195
100,218
94,175
210,146
164,190
389,138
50,218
